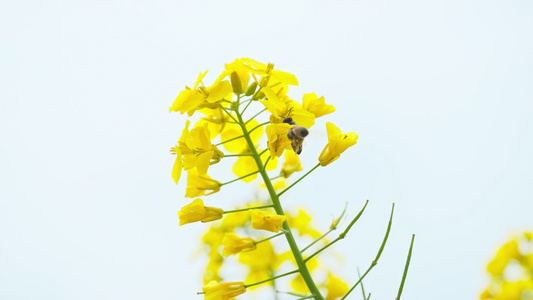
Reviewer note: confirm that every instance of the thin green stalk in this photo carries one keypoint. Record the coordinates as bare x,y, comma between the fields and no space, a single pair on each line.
232,139
302,268
406,268
257,114
315,241
342,235
332,227
270,279
248,104
268,238
244,209
282,192
239,178
375,261
234,155
224,109
257,126
266,161
362,286
276,177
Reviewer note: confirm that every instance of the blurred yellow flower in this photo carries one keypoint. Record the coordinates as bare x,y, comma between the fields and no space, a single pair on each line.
246,165
503,256
196,211
336,287
266,220
239,145
317,106
223,291
260,269
338,142
302,222
511,271
291,164
197,185
234,244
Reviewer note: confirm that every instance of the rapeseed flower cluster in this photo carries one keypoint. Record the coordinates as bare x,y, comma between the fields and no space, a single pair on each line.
247,103
511,270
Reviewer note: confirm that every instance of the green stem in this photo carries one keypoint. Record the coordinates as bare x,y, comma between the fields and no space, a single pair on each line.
239,178
302,268
342,235
270,279
282,192
268,238
245,209
406,268
375,261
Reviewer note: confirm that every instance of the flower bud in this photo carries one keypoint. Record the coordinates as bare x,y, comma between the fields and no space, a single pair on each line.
236,83
251,89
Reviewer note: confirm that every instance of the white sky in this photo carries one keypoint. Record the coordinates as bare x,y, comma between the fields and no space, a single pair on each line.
440,93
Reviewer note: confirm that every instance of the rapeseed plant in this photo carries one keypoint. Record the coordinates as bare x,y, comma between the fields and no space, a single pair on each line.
225,108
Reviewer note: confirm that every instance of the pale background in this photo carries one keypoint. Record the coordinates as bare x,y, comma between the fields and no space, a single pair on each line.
440,93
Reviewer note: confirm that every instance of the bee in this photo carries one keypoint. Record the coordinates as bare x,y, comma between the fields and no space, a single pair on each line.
296,134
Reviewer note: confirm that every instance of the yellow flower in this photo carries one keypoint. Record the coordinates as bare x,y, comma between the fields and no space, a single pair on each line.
316,105
338,142
234,244
277,138
291,164
198,97
197,185
268,71
266,220
336,287
196,211
223,291
188,100
178,164
283,107
197,150
216,120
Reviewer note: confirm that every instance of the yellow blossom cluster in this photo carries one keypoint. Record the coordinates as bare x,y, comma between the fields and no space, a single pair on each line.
511,270
247,117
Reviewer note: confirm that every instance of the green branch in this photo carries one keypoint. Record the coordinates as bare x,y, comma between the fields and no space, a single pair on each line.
375,261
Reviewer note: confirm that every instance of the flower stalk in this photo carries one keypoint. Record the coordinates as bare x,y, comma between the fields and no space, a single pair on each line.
302,268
